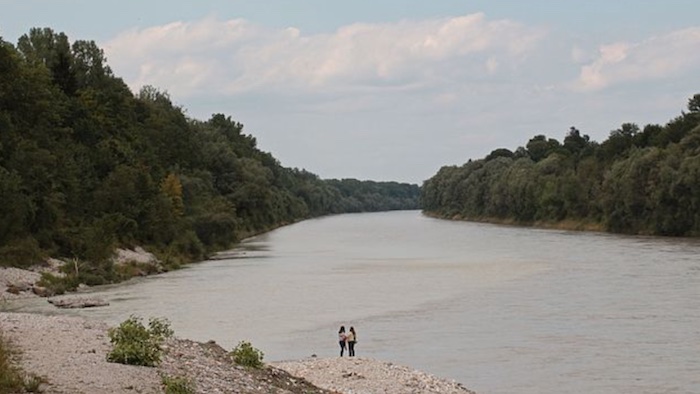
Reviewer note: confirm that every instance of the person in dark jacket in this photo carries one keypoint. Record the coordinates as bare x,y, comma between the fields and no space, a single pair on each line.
351,339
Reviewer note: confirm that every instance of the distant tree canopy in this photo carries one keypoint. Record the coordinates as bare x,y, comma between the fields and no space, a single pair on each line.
86,166
638,181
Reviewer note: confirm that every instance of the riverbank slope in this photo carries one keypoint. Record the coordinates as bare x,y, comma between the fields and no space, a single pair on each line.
70,354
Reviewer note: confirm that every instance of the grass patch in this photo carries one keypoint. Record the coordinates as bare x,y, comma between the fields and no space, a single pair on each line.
13,379
177,385
10,377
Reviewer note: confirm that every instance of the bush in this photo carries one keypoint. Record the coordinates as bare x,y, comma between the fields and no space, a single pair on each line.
131,269
246,355
177,385
21,253
57,285
134,344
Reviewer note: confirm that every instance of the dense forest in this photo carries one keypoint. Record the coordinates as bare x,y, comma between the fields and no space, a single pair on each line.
638,181
86,166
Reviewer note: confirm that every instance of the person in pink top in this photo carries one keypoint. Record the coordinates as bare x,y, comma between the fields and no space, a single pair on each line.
342,339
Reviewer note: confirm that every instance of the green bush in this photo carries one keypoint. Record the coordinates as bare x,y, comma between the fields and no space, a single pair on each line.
57,285
132,269
21,253
177,385
246,355
134,344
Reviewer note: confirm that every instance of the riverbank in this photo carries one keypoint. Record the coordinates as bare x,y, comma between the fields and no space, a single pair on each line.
69,354
18,283
565,225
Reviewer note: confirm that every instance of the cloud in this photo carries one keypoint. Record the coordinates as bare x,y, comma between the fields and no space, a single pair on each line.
235,56
579,55
658,57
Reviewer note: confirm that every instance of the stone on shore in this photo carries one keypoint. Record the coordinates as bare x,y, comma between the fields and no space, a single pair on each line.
77,302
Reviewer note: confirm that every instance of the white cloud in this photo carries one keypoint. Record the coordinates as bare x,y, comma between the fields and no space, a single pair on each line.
492,65
423,93
658,57
235,56
579,55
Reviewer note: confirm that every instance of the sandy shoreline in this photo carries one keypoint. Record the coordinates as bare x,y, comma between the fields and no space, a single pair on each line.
70,354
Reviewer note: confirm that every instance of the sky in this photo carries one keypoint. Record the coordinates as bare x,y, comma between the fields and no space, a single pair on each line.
391,90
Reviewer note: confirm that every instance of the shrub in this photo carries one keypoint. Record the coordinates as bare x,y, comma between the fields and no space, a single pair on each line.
20,253
56,284
134,344
177,385
246,355
130,269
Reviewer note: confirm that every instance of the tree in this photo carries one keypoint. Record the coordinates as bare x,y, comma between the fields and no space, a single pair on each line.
620,141
172,188
694,104
51,50
90,64
16,208
574,142
642,182
539,147
500,152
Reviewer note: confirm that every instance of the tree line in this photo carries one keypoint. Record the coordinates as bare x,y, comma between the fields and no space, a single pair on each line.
637,181
86,166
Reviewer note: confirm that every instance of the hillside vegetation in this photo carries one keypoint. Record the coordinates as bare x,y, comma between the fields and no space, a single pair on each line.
87,166
638,181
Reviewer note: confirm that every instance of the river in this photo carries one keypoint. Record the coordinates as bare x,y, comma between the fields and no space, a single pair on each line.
500,309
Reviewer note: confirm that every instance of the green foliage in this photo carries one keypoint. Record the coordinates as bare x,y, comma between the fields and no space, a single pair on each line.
22,252
640,181
177,385
135,344
57,285
132,269
246,355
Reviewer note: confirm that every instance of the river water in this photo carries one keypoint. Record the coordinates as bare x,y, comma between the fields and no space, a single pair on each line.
500,309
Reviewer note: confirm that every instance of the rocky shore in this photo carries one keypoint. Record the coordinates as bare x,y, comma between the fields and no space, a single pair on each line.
69,353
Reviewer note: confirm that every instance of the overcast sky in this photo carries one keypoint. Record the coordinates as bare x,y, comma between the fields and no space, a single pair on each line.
389,89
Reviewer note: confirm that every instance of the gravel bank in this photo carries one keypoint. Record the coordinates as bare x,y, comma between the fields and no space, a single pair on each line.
70,353
368,376
18,278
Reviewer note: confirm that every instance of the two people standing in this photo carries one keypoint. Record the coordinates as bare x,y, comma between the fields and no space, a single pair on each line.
349,339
